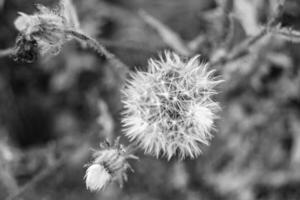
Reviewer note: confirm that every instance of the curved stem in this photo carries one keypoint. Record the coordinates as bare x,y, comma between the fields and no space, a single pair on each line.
99,49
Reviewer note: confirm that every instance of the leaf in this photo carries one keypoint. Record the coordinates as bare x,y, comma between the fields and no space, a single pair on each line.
70,14
236,33
168,36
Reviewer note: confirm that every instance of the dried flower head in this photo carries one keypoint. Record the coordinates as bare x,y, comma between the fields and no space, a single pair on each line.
48,26
110,163
169,109
26,50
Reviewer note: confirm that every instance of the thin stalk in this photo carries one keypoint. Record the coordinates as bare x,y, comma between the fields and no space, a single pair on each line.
99,49
6,52
243,49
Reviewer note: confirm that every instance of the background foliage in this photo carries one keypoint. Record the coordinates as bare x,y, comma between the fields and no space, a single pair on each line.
54,110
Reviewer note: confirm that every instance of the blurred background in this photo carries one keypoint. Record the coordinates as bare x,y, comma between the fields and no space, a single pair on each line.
53,111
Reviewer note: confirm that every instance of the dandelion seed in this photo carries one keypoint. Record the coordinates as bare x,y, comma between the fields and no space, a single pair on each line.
110,163
48,26
169,110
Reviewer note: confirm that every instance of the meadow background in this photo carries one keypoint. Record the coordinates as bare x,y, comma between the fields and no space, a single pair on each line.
53,111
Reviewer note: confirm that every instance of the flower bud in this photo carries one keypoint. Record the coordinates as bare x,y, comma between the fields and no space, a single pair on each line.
110,163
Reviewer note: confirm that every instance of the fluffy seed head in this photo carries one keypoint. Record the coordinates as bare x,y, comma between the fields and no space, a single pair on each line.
169,109
48,26
109,164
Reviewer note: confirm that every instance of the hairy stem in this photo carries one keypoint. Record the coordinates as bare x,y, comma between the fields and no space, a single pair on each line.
99,49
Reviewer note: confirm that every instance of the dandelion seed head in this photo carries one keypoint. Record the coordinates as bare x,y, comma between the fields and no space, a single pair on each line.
110,163
169,109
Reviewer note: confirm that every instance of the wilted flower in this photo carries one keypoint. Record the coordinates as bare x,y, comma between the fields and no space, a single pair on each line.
168,109
110,163
26,50
48,26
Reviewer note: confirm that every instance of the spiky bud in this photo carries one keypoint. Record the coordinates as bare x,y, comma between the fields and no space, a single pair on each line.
110,163
48,26
169,109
